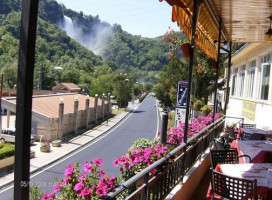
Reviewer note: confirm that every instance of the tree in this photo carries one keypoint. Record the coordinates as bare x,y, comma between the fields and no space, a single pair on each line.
122,89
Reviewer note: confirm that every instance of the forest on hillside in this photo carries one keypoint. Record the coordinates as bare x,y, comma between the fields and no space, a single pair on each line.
141,58
100,58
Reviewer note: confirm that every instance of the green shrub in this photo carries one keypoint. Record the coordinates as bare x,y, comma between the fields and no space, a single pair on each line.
206,110
143,143
143,97
198,104
6,150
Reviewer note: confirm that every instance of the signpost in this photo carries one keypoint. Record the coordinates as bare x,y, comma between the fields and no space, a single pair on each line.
181,102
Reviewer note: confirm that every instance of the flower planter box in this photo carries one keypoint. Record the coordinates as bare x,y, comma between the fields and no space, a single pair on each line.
45,148
6,162
56,143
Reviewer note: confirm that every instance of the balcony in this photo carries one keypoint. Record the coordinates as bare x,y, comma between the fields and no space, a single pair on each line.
178,174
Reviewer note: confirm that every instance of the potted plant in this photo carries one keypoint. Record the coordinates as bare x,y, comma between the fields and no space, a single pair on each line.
45,147
56,143
32,154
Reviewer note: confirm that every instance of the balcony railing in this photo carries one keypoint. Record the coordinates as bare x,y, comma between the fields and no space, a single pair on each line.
170,169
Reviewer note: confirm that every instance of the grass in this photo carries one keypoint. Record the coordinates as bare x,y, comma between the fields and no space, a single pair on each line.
117,111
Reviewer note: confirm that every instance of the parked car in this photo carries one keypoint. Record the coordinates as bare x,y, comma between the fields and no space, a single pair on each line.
8,135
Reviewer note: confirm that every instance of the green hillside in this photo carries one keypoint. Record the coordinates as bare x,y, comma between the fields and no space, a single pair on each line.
138,56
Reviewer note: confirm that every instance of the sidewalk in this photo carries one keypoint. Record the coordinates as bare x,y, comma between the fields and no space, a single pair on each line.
42,160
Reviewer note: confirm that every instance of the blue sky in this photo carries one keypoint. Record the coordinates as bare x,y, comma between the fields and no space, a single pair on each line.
148,18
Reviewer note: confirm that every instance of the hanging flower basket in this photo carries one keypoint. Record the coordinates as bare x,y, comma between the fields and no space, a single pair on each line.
185,48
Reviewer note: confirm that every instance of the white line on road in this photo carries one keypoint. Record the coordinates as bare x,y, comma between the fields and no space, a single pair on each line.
77,151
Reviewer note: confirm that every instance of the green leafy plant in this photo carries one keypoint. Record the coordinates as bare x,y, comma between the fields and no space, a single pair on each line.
6,150
198,104
206,109
34,193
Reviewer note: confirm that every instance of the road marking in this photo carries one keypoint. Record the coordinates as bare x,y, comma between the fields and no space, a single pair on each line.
77,151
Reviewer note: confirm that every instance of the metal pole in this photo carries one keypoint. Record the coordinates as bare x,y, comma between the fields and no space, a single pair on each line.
217,71
164,127
2,78
228,80
24,98
190,70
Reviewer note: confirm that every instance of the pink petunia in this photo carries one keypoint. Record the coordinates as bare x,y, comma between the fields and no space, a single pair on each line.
83,176
101,191
78,186
66,180
69,170
116,162
101,172
57,187
99,161
85,192
88,167
48,196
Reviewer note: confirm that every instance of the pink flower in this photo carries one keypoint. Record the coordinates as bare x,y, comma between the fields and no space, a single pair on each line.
88,167
57,187
48,196
69,170
116,162
66,180
85,192
134,151
78,186
99,161
101,191
83,176
101,172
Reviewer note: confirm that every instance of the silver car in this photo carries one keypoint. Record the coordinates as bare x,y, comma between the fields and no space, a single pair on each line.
8,135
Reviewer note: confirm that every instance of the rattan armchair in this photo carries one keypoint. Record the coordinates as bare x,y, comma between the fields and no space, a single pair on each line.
229,156
233,188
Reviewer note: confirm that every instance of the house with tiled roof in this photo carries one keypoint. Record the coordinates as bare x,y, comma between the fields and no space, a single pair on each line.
58,115
66,88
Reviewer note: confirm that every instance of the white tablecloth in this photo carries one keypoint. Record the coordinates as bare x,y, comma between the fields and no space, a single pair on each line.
260,171
258,131
253,147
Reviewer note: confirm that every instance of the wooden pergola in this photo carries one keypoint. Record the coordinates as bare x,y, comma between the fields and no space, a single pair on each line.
207,23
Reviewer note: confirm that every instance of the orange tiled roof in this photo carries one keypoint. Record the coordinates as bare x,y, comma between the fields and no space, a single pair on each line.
67,86
49,105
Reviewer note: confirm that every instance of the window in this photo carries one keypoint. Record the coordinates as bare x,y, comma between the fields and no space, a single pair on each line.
265,81
252,67
234,82
242,76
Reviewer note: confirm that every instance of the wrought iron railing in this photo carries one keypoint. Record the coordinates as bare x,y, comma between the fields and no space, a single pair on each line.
170,169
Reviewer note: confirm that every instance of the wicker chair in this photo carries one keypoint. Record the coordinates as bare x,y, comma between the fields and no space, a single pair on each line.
247,125
225,156
233,188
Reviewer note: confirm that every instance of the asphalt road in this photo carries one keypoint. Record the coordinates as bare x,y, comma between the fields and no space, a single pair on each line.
142,123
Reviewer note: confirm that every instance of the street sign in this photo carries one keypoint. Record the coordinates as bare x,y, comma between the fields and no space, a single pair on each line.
182,94
181,102
179,116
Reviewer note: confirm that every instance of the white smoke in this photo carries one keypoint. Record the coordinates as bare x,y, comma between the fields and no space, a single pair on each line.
95,41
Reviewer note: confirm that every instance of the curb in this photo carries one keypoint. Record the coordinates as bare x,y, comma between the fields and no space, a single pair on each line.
128,111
